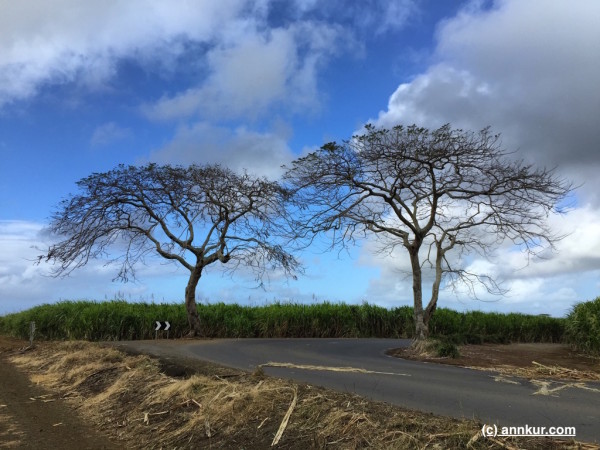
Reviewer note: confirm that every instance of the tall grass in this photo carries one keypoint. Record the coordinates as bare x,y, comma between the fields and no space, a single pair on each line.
583,327
476,327
95,321
119,320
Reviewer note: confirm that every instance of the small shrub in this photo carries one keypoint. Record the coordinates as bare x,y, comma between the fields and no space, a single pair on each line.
446,349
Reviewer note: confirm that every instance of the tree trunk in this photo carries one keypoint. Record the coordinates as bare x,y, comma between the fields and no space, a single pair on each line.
435,289
190,302
421,325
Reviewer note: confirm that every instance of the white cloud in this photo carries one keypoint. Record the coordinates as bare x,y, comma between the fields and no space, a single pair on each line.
243,62
20,279
24,284
248,55
246,78
550,284
259,153
252,70
68,40
578,252
529,71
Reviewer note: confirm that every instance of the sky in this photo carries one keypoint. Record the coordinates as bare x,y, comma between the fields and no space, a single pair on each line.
253,84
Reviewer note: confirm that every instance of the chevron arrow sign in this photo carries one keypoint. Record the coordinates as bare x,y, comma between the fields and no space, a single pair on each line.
162,326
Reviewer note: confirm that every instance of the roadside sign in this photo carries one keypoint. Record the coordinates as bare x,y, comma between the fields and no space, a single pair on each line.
162,326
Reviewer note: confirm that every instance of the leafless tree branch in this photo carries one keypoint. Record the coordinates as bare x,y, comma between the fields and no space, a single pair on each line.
443,189
193,216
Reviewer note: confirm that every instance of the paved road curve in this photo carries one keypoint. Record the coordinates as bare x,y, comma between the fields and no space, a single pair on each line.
440,389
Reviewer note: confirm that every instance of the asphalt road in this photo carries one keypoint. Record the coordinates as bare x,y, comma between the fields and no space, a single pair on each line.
439,389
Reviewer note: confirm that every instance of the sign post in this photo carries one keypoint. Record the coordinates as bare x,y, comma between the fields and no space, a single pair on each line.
31,333
161,326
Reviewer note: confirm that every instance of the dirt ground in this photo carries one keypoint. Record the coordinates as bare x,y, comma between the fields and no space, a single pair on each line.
78,395
552,361
35,418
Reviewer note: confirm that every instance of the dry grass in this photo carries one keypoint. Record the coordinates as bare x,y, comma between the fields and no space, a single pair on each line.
129,398
512,360
565,373
328,368
537,370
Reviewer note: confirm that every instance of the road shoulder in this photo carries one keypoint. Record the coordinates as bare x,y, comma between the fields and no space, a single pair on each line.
33,417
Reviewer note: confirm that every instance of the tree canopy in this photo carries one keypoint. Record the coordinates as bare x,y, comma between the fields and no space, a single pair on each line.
431,192
194,216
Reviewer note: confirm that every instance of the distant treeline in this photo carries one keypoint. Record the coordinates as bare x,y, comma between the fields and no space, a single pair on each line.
120,320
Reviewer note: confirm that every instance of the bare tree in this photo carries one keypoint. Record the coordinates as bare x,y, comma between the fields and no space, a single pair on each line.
433,193
194,216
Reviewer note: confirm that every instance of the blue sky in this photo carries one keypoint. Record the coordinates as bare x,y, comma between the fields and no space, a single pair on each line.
85,86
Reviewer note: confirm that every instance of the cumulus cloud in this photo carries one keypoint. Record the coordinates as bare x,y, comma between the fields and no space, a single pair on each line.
248,53
577,252
528,71
548,284
249,74
64,41
536,295
24,284
17,269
